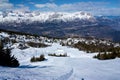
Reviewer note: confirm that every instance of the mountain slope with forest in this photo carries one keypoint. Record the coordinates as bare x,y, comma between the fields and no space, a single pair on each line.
61,24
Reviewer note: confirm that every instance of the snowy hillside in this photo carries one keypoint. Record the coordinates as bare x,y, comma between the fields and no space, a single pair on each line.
43,16
77,66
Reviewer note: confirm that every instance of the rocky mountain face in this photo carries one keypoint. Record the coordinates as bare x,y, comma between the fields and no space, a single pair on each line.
62,24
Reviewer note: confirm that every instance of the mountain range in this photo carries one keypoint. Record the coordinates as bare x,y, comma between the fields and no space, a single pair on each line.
62,24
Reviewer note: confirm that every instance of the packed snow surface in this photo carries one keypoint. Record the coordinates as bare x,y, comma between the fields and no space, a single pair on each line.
78,66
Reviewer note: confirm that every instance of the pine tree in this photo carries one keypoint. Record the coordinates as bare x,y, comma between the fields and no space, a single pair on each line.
6,59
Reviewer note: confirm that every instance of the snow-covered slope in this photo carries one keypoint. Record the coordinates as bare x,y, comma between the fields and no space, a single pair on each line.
43,16
77,66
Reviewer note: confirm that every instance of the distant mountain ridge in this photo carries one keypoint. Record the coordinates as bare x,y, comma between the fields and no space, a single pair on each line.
43,16
62,24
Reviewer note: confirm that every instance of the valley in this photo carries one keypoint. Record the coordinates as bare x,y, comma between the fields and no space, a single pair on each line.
62,24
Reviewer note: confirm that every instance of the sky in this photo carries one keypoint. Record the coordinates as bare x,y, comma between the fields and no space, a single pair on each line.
95,7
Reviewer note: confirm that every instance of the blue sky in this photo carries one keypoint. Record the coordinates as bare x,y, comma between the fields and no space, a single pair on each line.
95,7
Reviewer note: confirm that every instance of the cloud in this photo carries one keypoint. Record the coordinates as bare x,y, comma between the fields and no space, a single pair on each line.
1,1
83,6
20,5
31,3
47,5
4,4
96,8
22,8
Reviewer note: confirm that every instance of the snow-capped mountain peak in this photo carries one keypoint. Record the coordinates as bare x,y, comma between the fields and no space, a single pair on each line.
14,16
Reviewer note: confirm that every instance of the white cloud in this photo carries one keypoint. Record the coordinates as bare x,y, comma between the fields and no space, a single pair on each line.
92,7
48,5
1,1
31,3
4,4
21,7
96,8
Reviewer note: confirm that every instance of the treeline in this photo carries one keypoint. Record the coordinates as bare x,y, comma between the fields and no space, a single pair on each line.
19,33
106,50
107,55
38,45
30,34
96,47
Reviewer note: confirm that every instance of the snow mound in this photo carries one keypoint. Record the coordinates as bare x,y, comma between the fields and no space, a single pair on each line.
60,51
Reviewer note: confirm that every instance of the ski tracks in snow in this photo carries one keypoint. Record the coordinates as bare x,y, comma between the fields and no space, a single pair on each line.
65,76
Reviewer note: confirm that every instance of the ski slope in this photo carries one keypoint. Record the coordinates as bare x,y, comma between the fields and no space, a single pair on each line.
79,65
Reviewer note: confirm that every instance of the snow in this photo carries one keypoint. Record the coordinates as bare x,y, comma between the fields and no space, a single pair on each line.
75,67
4,34
59,51
43,16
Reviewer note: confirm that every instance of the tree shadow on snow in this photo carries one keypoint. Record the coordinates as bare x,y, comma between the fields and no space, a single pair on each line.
30,66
